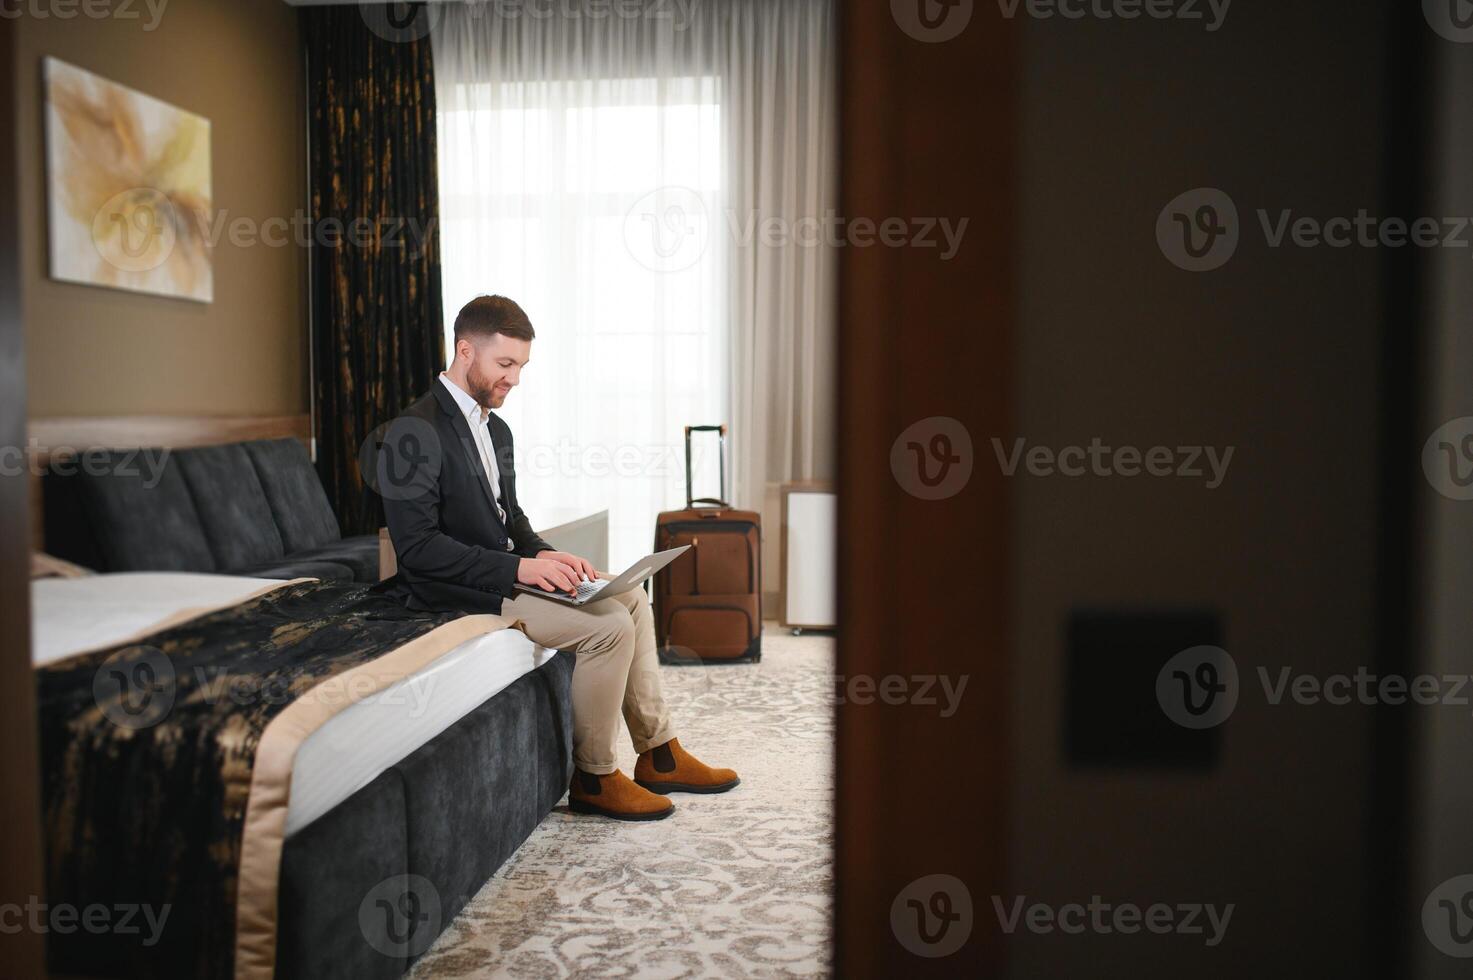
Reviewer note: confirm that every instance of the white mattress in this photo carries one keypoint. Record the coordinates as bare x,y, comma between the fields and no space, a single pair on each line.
356,745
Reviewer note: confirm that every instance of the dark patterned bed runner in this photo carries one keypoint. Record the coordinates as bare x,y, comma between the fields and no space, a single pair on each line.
147,752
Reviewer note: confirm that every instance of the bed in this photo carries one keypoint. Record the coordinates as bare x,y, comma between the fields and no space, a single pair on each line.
391,803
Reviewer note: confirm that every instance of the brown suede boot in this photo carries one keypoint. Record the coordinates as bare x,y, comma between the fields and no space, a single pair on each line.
616,796
669,768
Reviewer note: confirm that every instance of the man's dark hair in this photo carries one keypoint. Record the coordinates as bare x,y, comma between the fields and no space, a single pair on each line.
486,316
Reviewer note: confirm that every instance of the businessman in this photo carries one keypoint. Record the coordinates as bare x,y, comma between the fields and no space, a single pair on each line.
463,544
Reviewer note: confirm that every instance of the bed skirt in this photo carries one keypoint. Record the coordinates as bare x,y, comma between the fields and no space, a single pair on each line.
366,888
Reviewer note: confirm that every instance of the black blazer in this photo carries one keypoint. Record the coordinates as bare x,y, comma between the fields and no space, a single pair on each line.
441,512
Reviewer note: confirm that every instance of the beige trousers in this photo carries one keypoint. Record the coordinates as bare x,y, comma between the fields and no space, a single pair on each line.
616,669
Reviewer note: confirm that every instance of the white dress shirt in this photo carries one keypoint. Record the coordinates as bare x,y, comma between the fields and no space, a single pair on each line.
478,418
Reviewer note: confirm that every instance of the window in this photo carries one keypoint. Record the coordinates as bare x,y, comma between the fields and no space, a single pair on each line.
595,204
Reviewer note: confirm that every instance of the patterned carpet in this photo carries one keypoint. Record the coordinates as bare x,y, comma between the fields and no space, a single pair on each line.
731,885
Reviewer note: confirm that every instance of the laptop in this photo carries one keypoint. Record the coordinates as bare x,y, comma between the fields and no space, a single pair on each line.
604,588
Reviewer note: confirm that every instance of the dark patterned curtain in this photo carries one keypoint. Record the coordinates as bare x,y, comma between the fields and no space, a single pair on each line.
377,323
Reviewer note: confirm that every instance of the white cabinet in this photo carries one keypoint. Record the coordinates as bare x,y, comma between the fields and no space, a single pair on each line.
809,556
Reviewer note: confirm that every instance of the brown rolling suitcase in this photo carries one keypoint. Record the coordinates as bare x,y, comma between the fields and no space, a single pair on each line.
708,602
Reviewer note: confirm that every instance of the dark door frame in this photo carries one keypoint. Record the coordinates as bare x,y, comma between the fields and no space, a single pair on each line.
927,130
20,802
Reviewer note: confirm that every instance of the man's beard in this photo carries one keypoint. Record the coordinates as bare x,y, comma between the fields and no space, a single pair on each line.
480,390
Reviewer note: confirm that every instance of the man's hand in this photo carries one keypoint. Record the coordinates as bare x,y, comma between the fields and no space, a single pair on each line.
580,566
548,574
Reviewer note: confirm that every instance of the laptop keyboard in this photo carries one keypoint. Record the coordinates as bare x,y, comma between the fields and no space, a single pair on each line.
586,589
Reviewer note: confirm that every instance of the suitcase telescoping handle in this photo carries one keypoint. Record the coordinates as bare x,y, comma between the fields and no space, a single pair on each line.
690,500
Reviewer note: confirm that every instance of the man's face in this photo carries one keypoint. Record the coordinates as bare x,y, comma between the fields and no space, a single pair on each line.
495,367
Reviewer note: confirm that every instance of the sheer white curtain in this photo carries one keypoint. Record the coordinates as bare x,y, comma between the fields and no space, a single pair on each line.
602,171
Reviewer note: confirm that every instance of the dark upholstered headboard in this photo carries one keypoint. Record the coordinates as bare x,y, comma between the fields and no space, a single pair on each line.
59,438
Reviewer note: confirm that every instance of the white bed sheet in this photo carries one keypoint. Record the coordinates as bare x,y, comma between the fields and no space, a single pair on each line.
355,746
69,615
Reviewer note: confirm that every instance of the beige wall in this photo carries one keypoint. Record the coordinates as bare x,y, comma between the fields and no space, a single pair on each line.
94,351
